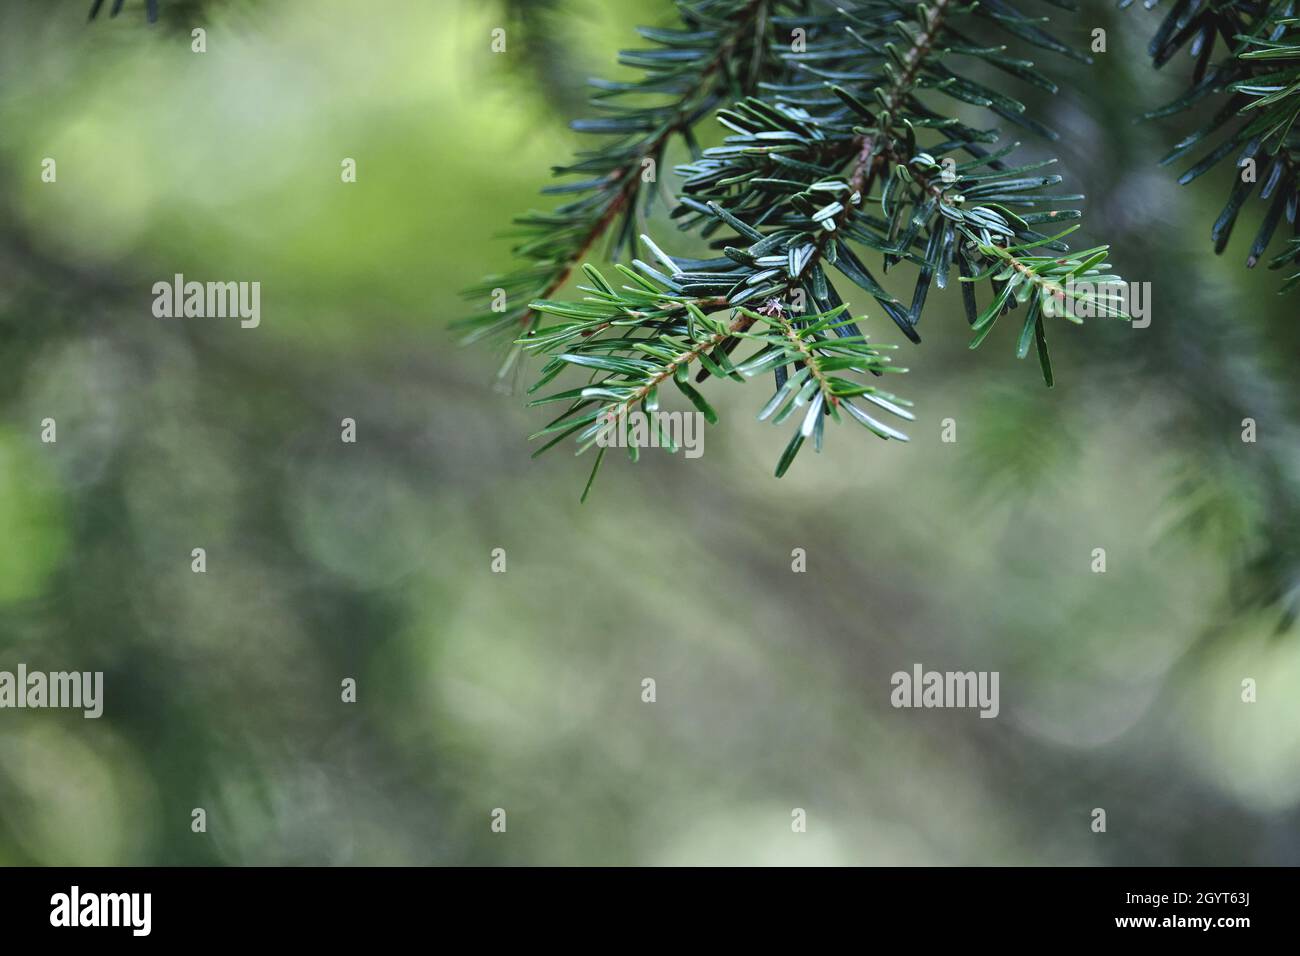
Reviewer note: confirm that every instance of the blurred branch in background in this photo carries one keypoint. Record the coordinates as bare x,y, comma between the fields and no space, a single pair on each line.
151,8
548,52
1215,355
522,689
179,16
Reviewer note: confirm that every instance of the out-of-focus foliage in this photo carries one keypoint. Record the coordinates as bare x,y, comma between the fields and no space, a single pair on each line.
151,8
522,690
177,15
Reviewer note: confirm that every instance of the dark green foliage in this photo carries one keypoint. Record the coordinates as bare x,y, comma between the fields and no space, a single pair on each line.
650,334
848,149
174,15
721,51
545,51
151,9
1246,78
1289,256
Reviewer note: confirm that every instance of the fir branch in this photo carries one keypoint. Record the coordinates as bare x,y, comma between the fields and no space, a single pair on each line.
821,163
1290,255
695,68
1256,82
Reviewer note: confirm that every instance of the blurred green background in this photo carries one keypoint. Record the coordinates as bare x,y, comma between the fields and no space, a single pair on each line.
522,690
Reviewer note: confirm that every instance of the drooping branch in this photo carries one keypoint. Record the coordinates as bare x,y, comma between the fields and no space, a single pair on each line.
722,50
821,164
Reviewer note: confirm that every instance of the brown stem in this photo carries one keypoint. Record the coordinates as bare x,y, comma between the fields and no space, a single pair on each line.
866,163
739,324
625,177
809,359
